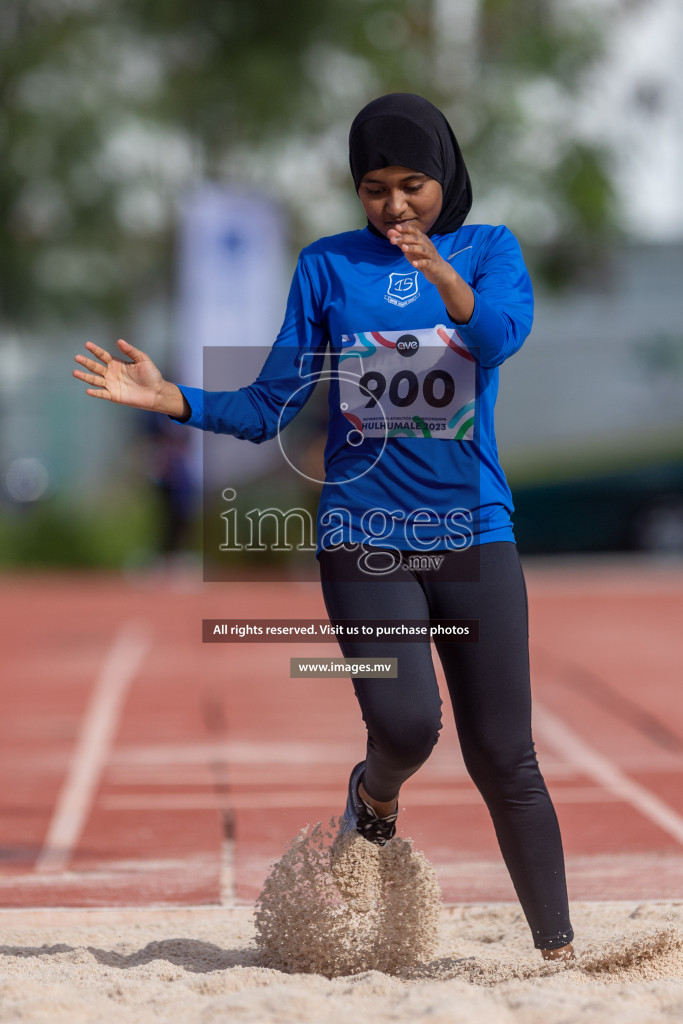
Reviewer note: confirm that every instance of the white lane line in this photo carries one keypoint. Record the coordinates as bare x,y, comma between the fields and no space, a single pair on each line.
228,887
323,798
239,751
97,732
569,745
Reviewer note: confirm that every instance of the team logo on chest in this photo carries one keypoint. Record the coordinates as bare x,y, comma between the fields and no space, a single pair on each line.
402,289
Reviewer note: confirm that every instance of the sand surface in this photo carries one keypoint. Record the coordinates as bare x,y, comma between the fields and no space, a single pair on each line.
203,965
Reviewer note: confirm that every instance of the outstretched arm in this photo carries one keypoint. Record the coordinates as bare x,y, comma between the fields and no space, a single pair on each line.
137,383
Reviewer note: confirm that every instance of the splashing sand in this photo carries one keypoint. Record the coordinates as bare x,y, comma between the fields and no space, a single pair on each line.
648,955
645,955
336,905
347,906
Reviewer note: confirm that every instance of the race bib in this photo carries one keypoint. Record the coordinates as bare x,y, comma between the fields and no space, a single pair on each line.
417,383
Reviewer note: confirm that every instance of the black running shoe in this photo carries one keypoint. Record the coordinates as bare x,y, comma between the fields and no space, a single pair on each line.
360,817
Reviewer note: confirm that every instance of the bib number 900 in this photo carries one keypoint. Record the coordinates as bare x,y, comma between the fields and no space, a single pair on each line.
438,388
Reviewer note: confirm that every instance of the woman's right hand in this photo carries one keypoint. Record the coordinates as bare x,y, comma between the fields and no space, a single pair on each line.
138,383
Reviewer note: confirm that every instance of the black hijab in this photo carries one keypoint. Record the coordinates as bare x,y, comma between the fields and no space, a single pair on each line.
404,130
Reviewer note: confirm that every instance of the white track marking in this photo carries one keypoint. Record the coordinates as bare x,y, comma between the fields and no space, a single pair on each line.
90,756
238,752
228,886
596,766
332,798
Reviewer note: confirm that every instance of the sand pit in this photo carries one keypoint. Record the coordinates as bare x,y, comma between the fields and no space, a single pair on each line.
192,966
214,964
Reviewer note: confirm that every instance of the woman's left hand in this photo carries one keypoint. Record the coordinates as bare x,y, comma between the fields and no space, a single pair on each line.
420,252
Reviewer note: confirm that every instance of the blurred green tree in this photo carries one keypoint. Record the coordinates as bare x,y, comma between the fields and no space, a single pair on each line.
536,59
109,109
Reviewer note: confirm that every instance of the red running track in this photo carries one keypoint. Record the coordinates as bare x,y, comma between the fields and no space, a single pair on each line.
139,767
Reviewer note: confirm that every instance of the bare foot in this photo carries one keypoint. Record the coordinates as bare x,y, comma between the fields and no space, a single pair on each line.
563,953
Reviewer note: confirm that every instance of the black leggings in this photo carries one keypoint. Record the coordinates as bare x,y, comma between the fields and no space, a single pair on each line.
488,684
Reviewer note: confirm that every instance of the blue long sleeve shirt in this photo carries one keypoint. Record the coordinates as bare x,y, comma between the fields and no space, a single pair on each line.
411,458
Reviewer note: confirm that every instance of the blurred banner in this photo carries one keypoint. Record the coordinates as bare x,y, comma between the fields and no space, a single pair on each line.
232,289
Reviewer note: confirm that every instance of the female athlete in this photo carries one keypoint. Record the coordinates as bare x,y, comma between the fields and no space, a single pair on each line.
417,311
